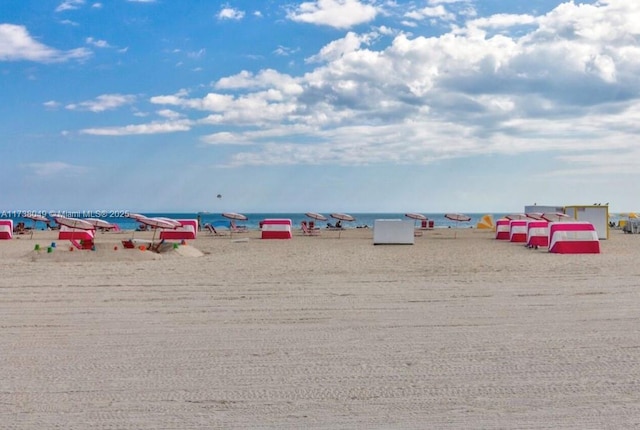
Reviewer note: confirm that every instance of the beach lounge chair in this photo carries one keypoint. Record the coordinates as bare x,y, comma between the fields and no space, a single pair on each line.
308,231
237,228
212,229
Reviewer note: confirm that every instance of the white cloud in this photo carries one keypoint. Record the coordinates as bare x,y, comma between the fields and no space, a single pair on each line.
335,50
564,83
140,129
334,13
97,43
69,5
431,12
55,168
230,13
169,114
264,79
502,21
103,103
197,54
51,104
16,44
285,51
226,138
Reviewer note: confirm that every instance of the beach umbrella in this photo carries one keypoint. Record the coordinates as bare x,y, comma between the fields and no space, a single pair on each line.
457,218
135,216
416,216
73,223
316,216
535,215
96,222
516,216
235,216
554,216
156,223
35,218
172,221
342,217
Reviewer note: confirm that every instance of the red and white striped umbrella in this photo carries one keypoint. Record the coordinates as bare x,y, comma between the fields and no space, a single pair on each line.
96,222
554,216
157,223
135,216
235,216
75,223
517,216
35,218
535,215
171,221
316,216
458,217
343,217
416,216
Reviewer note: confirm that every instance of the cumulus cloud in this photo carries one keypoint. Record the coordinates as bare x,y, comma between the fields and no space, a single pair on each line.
334,13
566,81
228,13
431,12
103,103
340,47
16,44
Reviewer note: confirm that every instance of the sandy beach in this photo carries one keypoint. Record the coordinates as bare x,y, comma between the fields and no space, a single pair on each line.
454,332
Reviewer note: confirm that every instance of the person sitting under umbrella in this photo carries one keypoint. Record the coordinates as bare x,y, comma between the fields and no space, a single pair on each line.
339,224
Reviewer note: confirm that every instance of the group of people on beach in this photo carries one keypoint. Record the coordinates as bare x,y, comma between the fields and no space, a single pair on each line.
21,228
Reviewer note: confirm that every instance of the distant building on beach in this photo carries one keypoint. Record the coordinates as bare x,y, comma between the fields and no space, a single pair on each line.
542,208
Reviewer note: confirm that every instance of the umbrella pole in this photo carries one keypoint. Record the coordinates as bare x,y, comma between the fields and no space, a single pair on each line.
153,239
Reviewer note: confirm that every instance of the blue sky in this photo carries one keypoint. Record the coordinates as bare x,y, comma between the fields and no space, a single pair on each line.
324,105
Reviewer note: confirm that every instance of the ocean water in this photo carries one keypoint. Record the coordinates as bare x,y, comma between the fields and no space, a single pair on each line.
253,222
